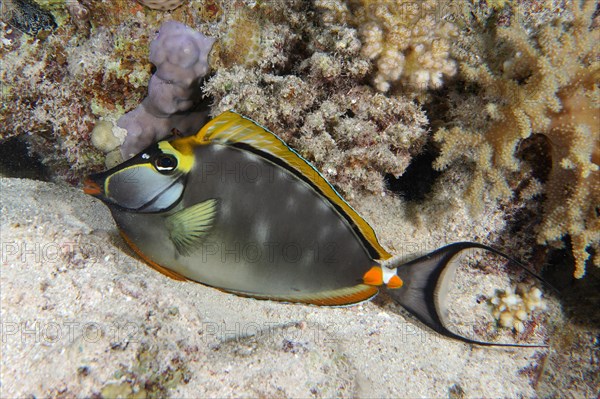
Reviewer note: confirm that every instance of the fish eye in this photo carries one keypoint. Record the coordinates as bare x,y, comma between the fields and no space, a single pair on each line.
165,163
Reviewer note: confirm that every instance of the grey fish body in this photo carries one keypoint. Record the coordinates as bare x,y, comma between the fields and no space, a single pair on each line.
273,234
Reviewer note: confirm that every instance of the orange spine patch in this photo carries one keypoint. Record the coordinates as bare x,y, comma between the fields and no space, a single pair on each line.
374,276
395,282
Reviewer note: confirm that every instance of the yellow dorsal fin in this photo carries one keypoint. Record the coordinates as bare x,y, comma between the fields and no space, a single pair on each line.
230,128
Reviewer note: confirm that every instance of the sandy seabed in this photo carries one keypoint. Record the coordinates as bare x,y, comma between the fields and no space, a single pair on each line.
82,316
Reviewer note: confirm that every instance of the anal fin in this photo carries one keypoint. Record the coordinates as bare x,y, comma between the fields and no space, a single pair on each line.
339,297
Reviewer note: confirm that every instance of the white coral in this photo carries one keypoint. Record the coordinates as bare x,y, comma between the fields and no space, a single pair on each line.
512,308
408,42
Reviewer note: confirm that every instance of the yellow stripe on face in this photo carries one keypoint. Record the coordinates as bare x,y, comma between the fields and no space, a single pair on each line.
184,153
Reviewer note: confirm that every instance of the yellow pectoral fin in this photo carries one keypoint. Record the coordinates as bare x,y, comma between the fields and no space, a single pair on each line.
188,227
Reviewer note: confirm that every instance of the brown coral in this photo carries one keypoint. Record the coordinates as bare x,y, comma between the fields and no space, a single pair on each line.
548,84
240,44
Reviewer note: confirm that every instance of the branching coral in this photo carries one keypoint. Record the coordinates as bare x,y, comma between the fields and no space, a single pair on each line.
241,42
409,41
282,63
309,87
547,84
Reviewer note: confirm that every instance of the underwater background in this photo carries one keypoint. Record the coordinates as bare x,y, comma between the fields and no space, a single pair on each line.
439,121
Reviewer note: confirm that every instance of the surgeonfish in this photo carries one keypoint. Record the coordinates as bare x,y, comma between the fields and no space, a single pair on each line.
235,208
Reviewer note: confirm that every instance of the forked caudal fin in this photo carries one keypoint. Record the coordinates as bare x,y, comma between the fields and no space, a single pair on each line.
426,282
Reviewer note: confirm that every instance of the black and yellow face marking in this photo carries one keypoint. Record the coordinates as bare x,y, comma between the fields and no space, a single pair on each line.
152,181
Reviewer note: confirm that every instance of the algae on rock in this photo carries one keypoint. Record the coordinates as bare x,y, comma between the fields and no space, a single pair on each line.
55,87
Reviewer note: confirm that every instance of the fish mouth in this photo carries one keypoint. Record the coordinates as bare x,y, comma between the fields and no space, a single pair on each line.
91,187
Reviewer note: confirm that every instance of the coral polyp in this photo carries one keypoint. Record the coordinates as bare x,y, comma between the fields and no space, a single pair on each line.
408,41
513,308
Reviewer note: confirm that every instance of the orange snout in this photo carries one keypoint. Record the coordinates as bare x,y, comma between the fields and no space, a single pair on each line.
91,187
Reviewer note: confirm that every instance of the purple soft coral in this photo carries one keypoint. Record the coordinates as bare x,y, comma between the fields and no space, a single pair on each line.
180,55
